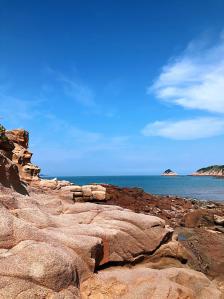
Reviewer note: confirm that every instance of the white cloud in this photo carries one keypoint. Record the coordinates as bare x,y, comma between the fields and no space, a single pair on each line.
190,129
195,79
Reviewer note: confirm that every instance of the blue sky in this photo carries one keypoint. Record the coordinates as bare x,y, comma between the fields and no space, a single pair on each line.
115,87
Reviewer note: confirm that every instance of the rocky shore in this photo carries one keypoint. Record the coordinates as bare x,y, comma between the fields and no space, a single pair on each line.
59,240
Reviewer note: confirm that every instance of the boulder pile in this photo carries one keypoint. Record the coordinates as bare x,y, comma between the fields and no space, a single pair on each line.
86,193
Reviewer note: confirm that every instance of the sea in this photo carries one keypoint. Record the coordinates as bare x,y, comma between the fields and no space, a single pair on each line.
202,188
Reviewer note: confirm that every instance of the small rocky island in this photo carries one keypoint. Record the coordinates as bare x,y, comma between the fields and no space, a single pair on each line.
60,240
169,172
213,170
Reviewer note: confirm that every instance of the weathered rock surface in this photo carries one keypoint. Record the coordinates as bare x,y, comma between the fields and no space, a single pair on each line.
86,193
9,175
146,283
205,249
198,226
219,220
6,147
49,245
21,156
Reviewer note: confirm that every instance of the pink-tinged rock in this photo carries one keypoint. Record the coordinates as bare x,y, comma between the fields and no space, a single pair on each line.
86,190
18,136
99,195
72,188
145,283
48,184
9,175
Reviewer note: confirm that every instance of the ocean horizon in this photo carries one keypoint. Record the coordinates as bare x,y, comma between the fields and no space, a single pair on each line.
196,187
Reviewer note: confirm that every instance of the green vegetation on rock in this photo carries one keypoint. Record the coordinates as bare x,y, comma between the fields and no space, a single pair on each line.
2,133
168,171
2,129
211,168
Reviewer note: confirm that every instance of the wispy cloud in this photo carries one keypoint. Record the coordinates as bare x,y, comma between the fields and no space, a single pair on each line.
78,91
190,129
74,88
195,79
85,141
17,110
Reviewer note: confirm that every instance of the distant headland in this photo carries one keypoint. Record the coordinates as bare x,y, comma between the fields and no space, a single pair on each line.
213,170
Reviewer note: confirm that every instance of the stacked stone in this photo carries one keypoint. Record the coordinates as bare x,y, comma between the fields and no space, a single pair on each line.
86,192
18,141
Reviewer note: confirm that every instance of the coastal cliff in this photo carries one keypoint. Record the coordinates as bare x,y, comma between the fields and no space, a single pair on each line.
125,243
14,146
214,170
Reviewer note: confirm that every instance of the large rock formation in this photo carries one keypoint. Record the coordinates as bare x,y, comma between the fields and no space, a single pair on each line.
50,246
54,246
21,156
214,170
9,175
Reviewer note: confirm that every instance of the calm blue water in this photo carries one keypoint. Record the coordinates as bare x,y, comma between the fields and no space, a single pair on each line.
185,186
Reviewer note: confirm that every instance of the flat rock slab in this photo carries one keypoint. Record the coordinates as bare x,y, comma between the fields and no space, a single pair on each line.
173,283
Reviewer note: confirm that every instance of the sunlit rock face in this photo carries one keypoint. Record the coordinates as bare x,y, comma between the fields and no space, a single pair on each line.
21,156
9,172
49,246
142,282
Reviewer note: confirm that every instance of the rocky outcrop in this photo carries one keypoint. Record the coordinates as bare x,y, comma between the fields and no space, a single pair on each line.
169,172
219,220
170,208
198,225
6,147
85,193
214,170
49,246
21,156
9,175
